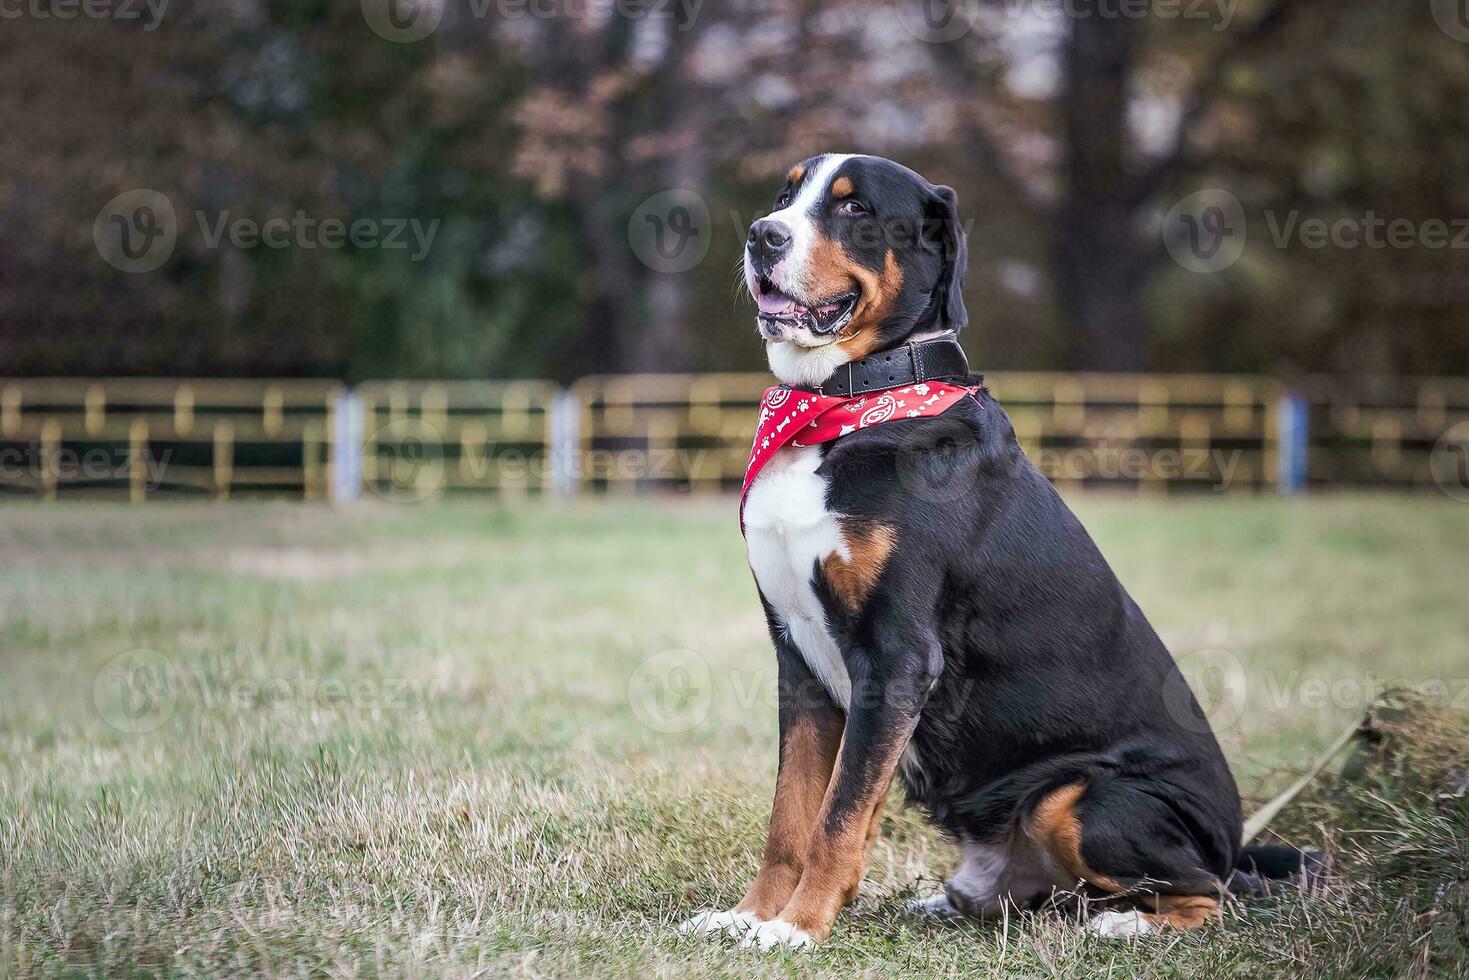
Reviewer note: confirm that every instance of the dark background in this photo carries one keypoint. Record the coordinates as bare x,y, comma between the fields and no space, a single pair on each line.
533,134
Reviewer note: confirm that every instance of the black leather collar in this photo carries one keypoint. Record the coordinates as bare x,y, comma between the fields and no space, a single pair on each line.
940,359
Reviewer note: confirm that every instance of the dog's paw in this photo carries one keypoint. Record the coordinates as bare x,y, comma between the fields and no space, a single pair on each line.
730,923
934,907
1119,925
777,933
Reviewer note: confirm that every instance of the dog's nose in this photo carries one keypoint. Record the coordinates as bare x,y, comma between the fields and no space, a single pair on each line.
770,235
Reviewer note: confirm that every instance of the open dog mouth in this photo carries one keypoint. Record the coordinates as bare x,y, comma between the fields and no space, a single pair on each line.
778,309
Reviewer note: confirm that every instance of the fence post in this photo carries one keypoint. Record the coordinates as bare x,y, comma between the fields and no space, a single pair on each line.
346,447
565,447
1293,417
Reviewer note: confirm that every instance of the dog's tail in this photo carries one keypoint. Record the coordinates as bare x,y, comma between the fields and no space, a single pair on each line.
1261,864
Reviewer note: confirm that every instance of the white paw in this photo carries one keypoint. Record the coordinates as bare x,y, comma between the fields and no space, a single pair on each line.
730,923
934,907
776,933
1119,925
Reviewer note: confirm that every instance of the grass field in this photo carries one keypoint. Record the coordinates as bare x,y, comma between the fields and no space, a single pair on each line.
458,739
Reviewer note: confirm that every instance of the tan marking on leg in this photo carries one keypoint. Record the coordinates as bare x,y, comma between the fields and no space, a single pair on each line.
806,764
873,827
1186,912
1055,827
868,543
842,187
838,857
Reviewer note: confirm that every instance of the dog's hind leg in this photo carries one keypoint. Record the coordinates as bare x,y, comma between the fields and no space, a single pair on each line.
1126,845
991,875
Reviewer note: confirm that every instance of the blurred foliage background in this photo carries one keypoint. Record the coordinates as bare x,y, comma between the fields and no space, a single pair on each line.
532,131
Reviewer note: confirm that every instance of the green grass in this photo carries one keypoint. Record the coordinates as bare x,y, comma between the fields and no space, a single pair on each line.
462,739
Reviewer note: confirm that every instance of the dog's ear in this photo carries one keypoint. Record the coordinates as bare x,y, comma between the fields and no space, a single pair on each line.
943,218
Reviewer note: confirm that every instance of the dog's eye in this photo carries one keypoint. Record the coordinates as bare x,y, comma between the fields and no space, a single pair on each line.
782,199
850,206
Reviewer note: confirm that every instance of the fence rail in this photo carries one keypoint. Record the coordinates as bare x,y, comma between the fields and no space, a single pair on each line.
410,440
142,436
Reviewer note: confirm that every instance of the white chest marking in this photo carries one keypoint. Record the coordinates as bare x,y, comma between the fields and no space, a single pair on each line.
787,531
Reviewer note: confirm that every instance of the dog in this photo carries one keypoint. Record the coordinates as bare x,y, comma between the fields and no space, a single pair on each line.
940,616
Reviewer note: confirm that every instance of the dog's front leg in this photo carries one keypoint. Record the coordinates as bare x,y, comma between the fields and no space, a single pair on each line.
886,701
810,735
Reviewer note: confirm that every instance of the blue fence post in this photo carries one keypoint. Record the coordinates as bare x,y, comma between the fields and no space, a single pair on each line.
346,447
565,448
1293,417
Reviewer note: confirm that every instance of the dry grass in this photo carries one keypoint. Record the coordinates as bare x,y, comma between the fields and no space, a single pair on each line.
461,739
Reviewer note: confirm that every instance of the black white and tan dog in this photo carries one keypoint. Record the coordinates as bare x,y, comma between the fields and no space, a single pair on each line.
939,614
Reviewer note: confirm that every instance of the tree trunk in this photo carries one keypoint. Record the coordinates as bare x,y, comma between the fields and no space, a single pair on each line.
1100,258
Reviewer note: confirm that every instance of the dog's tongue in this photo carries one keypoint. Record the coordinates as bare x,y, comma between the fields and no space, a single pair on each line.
775,304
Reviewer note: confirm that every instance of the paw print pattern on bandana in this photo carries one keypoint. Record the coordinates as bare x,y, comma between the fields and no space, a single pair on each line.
822,418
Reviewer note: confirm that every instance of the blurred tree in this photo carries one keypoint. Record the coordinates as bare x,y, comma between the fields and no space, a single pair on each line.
532,134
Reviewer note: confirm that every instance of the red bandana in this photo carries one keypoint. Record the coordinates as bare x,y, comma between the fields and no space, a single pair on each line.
800,418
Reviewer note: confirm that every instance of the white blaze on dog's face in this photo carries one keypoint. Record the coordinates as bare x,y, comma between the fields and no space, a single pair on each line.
859,253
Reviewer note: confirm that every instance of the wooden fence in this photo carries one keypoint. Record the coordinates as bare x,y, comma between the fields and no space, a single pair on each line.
404,441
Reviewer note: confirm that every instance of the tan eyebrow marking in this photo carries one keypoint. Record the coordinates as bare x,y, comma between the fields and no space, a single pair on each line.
841,187
797,172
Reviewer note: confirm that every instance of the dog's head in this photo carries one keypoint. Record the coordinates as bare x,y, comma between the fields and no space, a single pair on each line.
859,254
